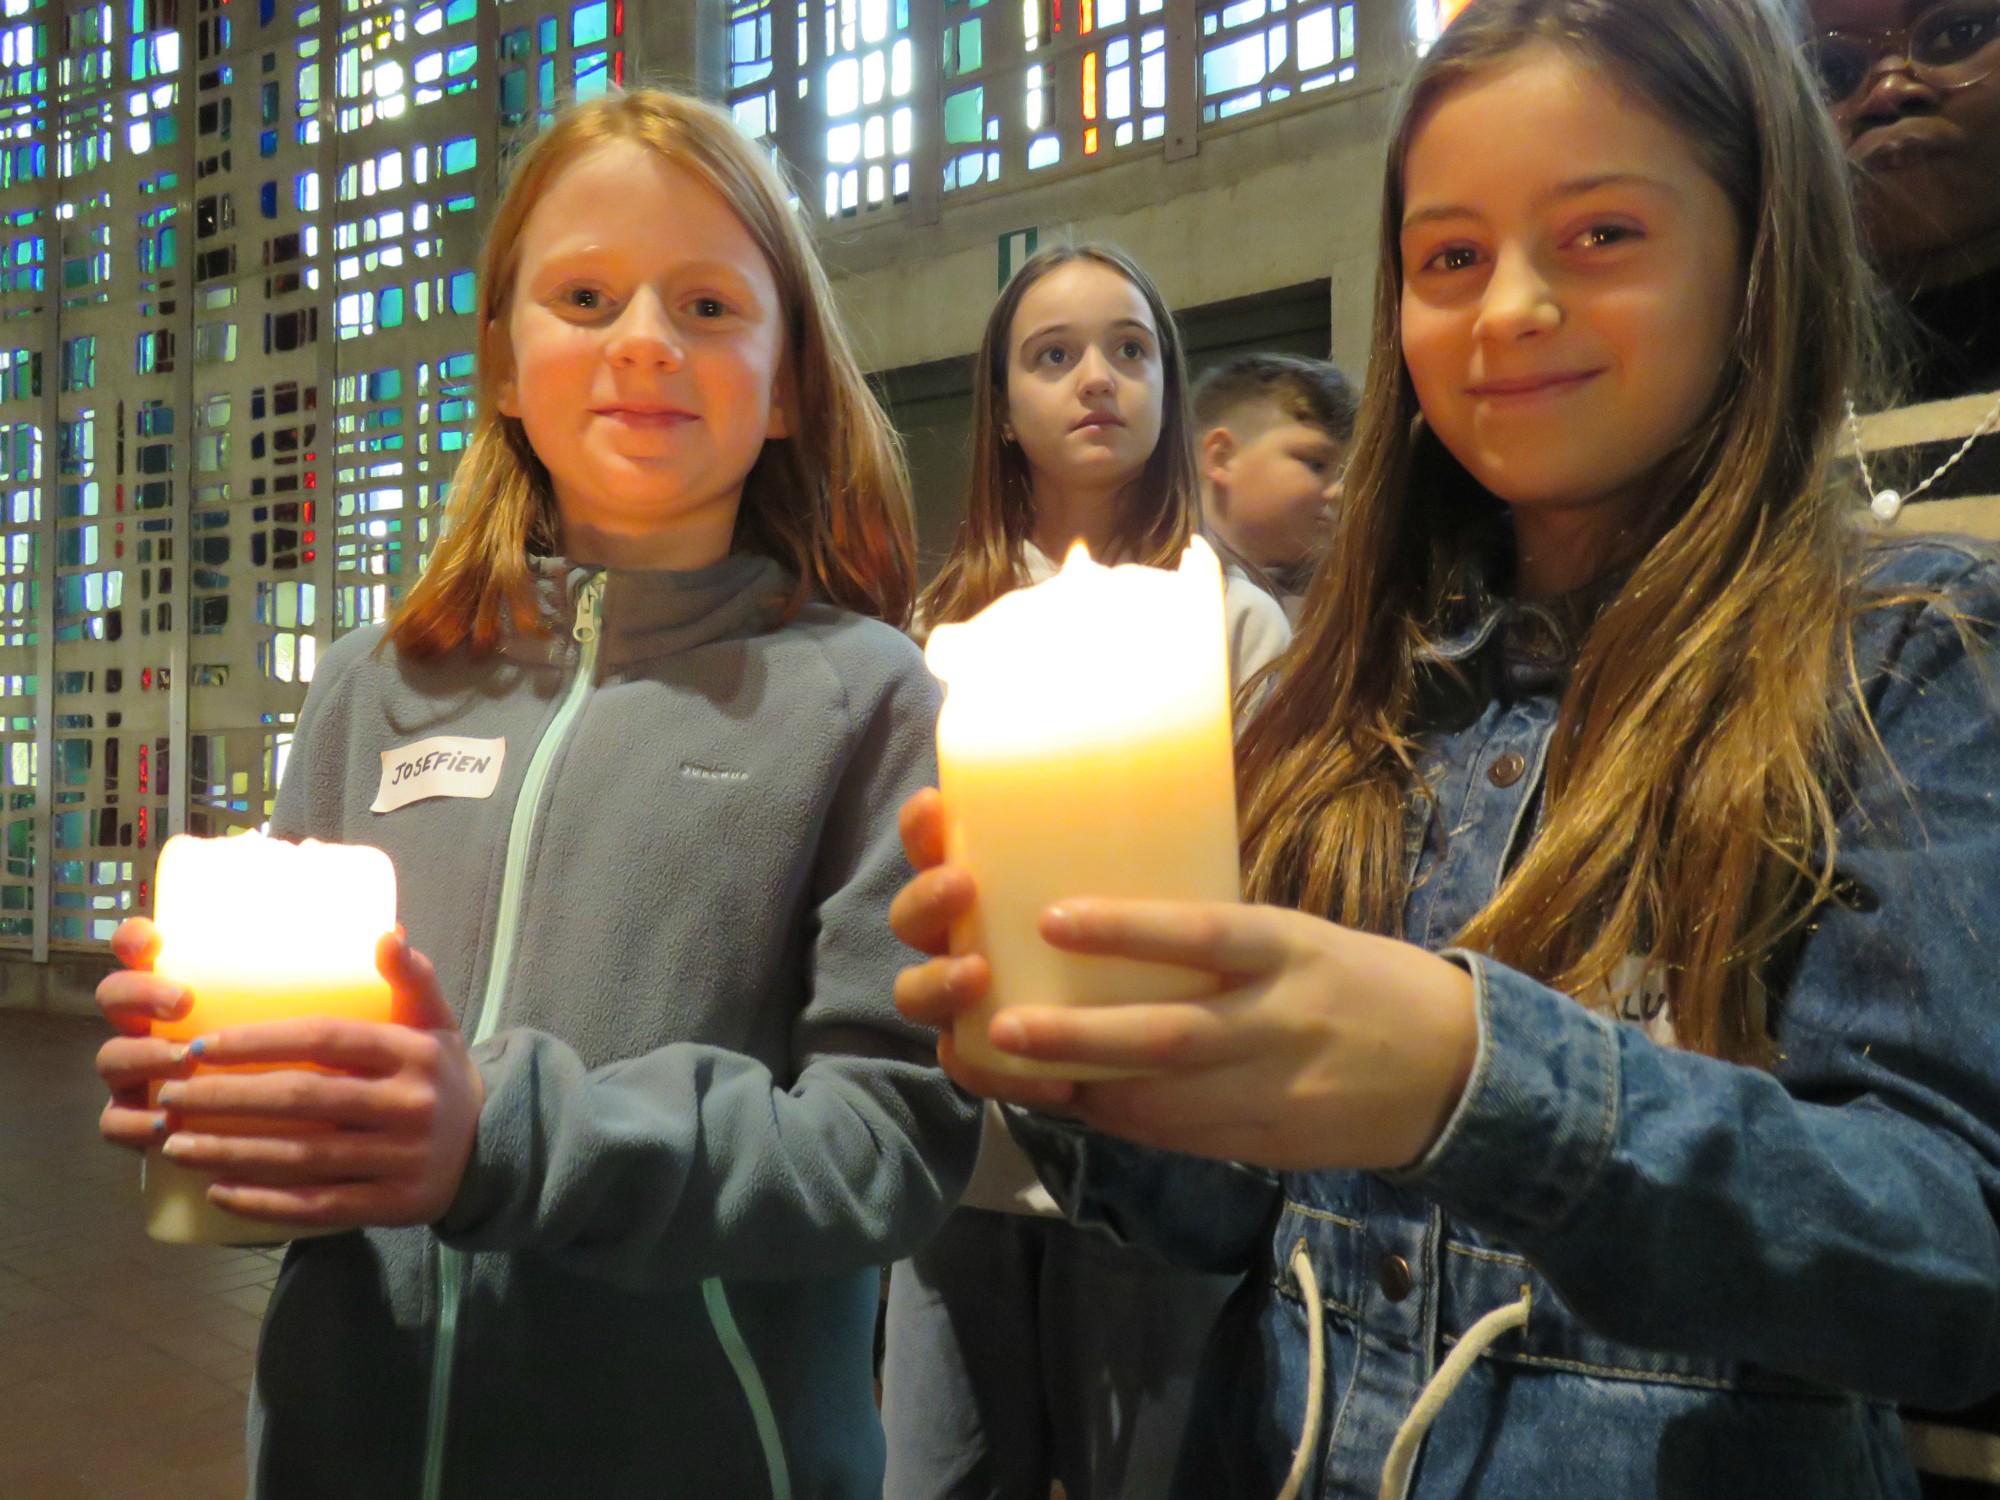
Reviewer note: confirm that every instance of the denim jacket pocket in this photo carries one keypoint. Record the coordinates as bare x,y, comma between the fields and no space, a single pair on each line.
1549,1409
1478,1278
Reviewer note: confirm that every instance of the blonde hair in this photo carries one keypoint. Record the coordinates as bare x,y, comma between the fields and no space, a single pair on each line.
1687,815
831,502
1163,508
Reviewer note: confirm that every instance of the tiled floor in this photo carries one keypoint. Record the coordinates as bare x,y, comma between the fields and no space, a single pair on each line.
123,1364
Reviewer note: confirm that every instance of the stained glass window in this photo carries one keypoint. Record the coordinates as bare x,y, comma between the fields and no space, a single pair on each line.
844,90
1259,52
236,249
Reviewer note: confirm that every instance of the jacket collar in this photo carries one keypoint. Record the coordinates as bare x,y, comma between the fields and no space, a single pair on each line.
1518,647
653,612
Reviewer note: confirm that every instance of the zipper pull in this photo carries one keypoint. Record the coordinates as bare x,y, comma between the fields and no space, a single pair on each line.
589,603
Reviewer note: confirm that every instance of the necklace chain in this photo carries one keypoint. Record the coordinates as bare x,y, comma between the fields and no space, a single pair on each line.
1885,503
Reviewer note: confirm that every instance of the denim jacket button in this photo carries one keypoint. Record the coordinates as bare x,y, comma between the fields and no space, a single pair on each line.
1508,769
1394,1276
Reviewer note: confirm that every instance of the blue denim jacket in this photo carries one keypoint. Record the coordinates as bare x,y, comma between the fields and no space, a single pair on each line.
1732,1273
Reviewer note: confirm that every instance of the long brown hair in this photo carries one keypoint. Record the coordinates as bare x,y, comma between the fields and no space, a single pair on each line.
1687,816
1162,509
831,502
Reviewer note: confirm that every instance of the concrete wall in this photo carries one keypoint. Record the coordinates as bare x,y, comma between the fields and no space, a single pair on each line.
1273,204
64,985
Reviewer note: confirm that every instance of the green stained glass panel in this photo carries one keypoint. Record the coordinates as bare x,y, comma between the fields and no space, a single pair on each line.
965,116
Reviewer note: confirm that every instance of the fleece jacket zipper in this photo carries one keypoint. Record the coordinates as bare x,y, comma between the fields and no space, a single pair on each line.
520,838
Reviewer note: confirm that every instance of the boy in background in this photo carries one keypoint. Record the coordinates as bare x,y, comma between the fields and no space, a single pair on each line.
1273,431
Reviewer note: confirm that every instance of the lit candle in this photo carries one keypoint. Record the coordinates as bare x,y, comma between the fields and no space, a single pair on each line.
1085,750
257,929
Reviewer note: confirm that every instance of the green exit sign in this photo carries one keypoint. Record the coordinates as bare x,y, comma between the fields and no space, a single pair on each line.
1016,245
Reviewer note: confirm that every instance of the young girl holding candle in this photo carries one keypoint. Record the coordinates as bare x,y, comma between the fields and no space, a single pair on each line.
622,1233
1603,1096
1019,1349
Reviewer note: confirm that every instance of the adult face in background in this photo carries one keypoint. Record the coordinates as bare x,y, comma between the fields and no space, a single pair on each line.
1914,86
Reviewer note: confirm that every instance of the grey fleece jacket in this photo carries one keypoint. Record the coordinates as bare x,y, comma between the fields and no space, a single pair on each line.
705,1124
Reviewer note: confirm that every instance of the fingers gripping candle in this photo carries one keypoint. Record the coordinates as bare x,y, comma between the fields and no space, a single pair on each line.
257,929
1084,749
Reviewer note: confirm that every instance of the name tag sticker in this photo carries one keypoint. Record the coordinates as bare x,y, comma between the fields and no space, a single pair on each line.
445,765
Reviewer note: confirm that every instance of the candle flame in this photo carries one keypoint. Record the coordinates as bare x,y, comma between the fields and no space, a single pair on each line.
1090,651
250,906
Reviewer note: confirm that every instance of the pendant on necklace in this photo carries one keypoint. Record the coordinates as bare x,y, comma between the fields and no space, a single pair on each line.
1885,504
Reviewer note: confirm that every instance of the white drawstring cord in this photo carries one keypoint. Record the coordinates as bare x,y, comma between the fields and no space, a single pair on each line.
1438,1390
1302,1267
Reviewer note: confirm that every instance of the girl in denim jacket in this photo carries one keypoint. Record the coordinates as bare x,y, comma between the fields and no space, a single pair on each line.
1603,1095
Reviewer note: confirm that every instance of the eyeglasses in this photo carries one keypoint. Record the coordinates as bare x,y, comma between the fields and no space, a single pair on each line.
1948,46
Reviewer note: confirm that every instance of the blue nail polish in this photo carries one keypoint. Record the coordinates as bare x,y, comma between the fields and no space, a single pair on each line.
160,1126
198,1046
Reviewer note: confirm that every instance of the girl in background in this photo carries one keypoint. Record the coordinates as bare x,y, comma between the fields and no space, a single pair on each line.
1604,1099
624,1185
1018,1348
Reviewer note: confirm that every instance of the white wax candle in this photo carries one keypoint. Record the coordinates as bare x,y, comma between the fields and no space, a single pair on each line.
1085,750
260,930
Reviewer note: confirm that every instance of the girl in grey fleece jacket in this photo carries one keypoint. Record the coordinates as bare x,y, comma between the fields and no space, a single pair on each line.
622,1189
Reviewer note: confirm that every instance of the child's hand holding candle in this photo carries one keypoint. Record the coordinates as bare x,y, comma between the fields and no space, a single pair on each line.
1313,1047
281,1041
1078,880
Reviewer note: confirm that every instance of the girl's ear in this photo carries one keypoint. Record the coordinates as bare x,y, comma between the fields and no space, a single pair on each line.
783,401
495,351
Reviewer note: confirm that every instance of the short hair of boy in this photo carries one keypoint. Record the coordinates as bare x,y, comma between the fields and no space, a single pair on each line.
1311,391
